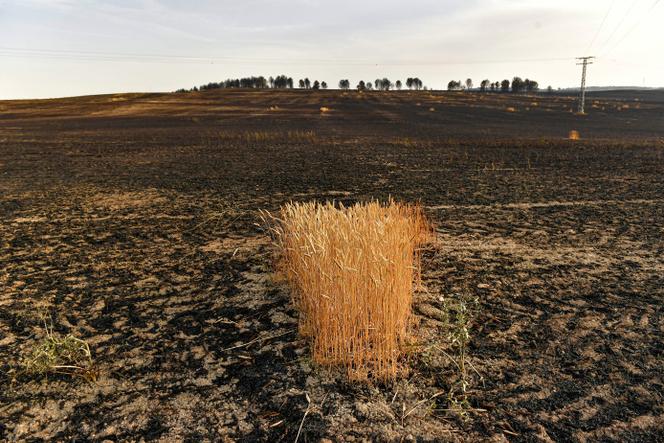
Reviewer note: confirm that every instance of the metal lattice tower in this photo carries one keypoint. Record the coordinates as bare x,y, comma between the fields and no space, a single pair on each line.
585,61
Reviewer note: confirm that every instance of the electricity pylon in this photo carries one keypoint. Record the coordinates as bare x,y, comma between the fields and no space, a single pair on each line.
585,61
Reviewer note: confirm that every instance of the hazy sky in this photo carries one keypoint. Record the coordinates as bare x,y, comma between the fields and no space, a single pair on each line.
51,48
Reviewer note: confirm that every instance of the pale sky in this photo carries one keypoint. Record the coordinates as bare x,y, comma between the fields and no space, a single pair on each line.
54,48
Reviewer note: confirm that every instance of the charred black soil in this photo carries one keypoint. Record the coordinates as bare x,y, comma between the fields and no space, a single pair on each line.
131,221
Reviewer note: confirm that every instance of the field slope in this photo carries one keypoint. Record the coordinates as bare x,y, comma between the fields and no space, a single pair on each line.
130,221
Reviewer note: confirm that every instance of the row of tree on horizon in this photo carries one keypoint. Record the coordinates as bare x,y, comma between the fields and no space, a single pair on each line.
414,83
284,82
516,85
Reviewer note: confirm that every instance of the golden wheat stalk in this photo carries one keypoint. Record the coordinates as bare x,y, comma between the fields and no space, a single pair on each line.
352,270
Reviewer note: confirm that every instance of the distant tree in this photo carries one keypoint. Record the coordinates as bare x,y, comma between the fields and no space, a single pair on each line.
344,84
301,84
361,86
378,84
493,87
549,89
531,85
211,86
517,85
307,83
409,82
469,83
271,81
385,84
290,82
417,83
505,86
323,85
369,86
484,85
453,85
398,85
316,85
281,81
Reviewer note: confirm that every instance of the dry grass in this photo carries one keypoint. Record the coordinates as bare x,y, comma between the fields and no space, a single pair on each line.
574,135
55,355
265,136
353,271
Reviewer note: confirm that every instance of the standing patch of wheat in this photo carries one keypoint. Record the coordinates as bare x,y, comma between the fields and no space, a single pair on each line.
353,271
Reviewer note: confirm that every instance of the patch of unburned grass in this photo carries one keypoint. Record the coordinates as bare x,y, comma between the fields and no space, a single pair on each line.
67,355
266,136
353,270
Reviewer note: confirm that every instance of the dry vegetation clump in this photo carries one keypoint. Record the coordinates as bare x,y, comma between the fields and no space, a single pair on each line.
56,355
353,271
302,136
267,136
574,135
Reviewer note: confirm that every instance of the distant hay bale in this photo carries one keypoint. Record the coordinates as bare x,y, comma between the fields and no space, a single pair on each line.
510,109
324,109
432,109
574,135
352,270
534,104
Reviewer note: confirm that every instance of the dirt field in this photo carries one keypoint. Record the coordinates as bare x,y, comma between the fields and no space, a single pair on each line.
130,221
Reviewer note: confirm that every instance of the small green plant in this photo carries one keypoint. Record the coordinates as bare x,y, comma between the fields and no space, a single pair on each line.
459,338
459,315
56,355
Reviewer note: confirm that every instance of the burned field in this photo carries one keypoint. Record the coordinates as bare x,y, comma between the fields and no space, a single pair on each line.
131,222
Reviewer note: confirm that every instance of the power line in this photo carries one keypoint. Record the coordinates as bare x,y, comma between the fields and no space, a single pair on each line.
620,23
601,26
171,58
647,13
